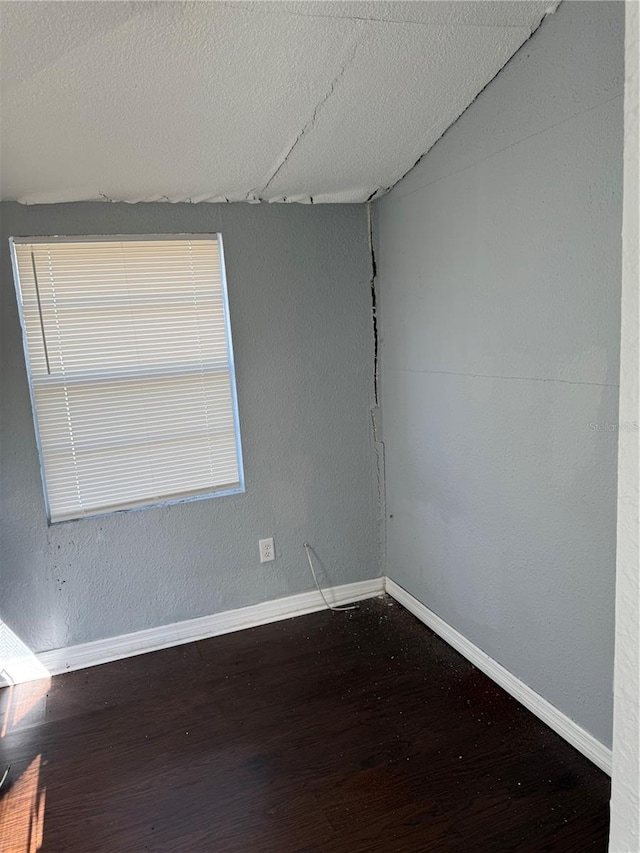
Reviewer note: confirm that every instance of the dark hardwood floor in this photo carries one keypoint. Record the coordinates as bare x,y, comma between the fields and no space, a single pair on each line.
356,731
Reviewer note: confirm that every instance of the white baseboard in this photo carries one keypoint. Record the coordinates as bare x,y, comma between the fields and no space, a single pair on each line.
68,659
574,734
84,655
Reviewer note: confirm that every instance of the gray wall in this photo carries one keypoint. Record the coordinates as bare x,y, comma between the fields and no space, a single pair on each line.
301,321
499,262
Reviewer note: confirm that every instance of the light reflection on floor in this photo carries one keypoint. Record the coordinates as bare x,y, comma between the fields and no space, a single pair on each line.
22,813
24,684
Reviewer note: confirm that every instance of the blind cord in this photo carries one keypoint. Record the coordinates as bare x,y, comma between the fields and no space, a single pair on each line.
307,548
44,337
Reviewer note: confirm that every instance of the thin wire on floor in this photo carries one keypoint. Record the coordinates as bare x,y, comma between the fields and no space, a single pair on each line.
337,607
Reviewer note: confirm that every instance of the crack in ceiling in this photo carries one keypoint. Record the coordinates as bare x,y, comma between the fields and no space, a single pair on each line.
189,101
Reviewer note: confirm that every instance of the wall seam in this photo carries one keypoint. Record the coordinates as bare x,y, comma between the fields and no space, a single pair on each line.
497,376
506,147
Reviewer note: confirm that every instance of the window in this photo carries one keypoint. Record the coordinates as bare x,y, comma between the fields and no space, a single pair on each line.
128,348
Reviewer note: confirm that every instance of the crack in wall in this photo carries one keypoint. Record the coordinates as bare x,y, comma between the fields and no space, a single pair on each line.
379,448
375,412
374,305
534,29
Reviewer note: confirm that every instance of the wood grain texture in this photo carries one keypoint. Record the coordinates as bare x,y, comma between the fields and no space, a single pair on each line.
359,731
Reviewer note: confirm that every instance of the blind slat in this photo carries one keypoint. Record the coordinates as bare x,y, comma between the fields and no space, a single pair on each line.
130,368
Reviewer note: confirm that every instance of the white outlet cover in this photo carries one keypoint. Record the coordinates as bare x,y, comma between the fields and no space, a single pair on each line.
267,550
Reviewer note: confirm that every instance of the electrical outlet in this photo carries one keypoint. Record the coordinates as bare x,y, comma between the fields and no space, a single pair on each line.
267,551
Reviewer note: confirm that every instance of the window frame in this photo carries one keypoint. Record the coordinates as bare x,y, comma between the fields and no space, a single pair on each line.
88,238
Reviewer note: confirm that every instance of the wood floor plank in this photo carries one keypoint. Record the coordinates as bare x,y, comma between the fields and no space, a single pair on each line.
358,731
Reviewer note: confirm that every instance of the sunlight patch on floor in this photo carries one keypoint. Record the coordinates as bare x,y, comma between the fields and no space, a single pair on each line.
25,678
22,813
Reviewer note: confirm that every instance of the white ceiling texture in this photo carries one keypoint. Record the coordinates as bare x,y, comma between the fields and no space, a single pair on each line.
238,101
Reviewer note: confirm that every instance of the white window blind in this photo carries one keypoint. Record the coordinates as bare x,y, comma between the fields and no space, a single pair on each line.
130,362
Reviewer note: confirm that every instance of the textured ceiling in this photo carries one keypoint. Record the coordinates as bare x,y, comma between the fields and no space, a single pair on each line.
213,101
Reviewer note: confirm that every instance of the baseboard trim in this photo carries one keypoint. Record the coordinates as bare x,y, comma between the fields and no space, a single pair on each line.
567,728
98,652
85,655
